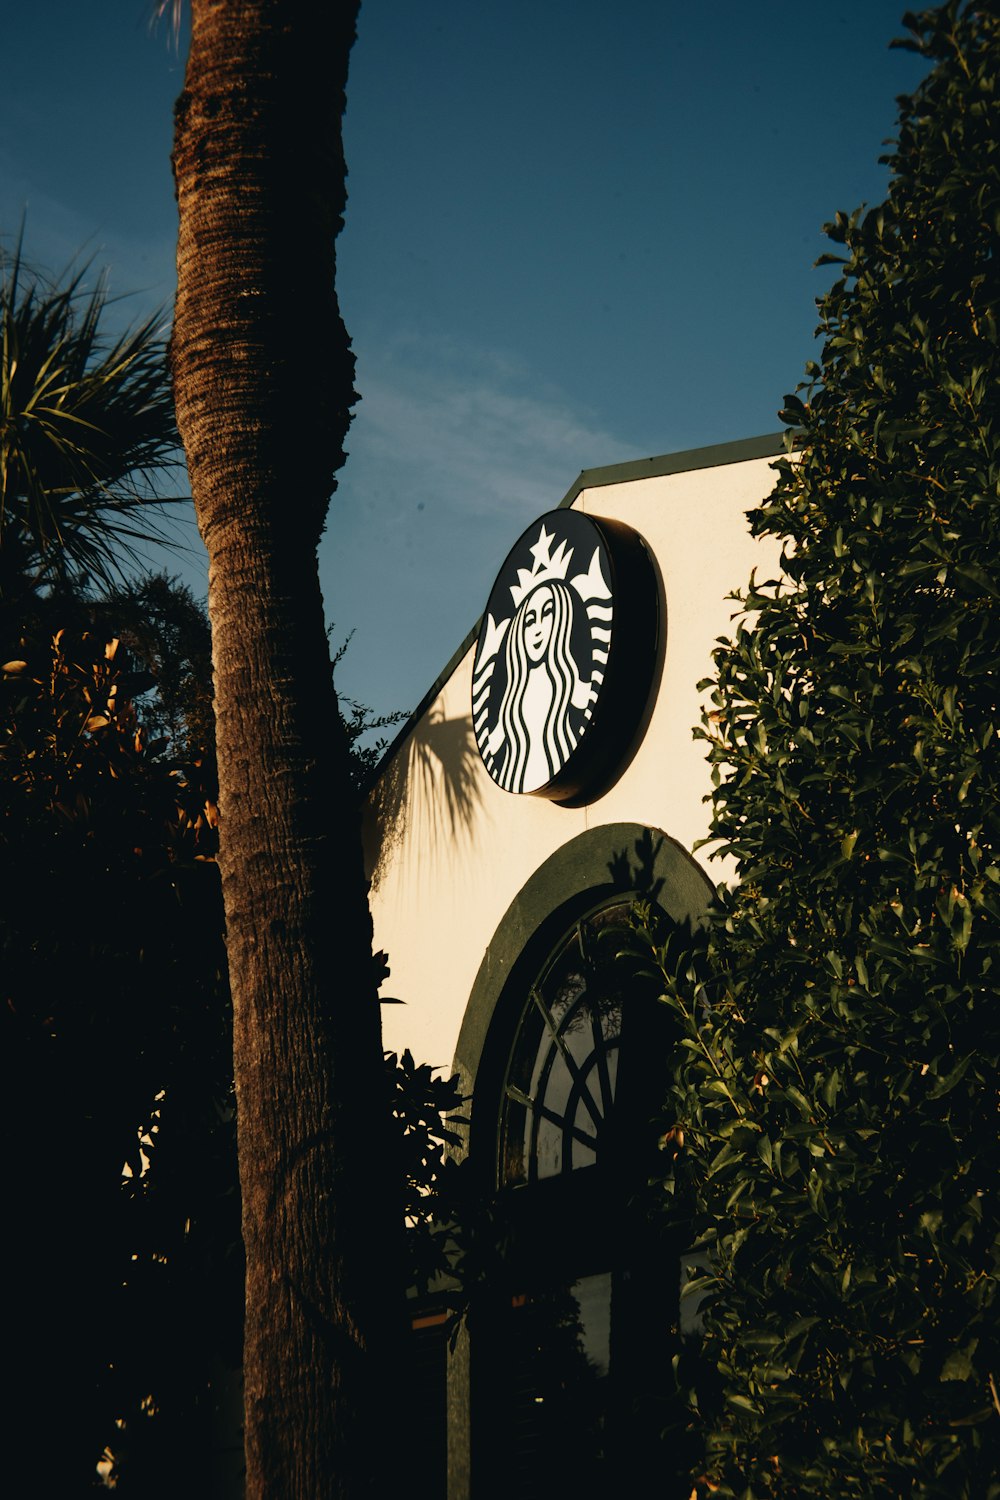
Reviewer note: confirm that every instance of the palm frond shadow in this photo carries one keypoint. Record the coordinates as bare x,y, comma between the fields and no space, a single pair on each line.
429,791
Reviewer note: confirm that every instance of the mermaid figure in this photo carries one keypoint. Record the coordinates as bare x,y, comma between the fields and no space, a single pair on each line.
535,723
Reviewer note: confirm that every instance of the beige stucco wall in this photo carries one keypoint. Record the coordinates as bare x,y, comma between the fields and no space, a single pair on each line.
448,850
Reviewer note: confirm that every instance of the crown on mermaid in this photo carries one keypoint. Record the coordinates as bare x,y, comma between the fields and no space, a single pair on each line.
547,566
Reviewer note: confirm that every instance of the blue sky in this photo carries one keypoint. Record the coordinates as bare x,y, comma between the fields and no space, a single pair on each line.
576,234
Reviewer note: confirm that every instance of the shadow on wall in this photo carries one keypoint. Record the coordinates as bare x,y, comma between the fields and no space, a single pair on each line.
427,795
635,870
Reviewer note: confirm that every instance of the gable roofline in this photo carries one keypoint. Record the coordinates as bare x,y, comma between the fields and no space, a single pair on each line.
770,445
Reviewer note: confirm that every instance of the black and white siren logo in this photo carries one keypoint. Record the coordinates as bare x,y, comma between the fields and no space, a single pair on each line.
547,644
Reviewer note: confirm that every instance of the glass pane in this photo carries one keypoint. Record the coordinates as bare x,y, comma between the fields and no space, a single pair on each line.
560,1083
593,1300
546,1405
548,1148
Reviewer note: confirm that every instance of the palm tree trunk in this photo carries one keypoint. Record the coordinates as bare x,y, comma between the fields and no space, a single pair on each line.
264,382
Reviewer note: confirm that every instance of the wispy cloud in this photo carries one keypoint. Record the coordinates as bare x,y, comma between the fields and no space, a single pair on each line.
453,452
476,428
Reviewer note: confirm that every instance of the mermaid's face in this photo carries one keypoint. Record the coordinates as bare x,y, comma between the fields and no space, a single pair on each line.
538,615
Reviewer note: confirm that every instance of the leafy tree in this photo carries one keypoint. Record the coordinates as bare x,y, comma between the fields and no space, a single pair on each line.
832,1122
360,725
165,631
113,1037
110,940
263,379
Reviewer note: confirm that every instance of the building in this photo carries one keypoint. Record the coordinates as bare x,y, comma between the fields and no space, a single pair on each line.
549,776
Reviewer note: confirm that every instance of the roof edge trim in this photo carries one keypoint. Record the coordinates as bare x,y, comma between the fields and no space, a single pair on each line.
770,445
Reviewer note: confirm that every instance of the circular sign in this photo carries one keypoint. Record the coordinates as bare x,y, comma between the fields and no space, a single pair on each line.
555,690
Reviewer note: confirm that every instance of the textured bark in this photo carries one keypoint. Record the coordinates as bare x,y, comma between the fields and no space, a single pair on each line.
264,381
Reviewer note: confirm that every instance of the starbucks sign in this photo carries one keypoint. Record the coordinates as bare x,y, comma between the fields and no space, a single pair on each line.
565,656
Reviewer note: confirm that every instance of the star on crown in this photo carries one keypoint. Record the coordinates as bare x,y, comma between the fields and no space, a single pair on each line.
548,565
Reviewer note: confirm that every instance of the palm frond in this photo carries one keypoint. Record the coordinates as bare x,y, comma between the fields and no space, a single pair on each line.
87,433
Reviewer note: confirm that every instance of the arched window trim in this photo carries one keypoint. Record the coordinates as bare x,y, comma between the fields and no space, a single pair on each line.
612,861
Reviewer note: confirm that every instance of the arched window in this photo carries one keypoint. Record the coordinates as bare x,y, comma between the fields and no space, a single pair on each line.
546,1368
559,1091
555,1384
